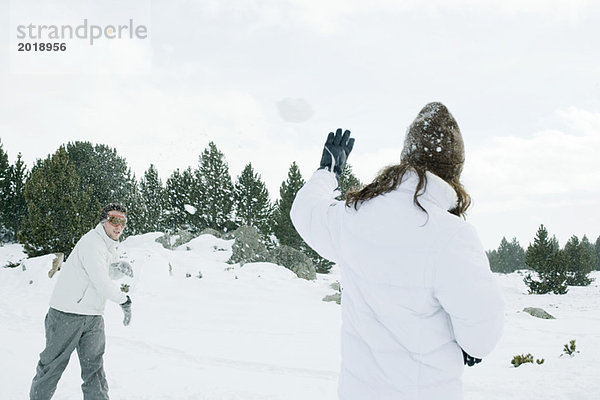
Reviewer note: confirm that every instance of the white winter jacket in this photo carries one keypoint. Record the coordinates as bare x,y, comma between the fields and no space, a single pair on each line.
83,282
416,288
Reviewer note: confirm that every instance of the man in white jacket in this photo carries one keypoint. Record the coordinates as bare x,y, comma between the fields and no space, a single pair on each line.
419,300
74,320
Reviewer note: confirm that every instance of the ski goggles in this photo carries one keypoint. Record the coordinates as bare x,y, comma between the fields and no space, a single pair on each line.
116,220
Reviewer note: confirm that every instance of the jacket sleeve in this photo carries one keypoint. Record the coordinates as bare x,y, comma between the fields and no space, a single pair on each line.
316,214
466,289
94,259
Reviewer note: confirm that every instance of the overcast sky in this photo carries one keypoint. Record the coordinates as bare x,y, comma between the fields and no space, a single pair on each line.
267,80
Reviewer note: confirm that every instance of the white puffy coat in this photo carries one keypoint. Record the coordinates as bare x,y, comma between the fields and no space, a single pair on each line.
83,282
416,288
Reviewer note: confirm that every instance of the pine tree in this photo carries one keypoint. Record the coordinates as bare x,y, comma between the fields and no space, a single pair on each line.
282,223
5,232
493,260
509,257
136,214
179,188
581,259
101,168
216,203
108,176
154,201
347,182
597,246
59,209
251,201
549,262
15,206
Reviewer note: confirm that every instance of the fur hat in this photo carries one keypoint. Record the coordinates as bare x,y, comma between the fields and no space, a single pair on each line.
433,141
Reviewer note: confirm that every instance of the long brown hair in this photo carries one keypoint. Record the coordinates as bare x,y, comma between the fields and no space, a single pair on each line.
391,177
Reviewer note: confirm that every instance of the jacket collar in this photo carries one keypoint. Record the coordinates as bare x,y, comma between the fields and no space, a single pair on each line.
438,191
107,240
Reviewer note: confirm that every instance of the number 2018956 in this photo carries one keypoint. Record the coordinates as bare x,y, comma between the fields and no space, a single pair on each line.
42,46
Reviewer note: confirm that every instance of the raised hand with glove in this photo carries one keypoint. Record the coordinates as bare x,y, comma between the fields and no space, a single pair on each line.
335,152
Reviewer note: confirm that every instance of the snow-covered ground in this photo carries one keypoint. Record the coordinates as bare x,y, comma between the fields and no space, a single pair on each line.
259,332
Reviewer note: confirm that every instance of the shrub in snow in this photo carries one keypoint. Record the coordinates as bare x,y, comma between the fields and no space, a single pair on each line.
11,264
294,260
248,246
165,240
570,349
524,358
172,241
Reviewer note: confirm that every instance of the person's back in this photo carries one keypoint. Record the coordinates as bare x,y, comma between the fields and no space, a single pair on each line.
397,338
417,289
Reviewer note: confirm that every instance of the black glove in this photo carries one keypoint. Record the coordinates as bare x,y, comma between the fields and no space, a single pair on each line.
470,361
126,307
336,151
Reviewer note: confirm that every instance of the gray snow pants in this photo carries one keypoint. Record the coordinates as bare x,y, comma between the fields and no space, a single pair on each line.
64,333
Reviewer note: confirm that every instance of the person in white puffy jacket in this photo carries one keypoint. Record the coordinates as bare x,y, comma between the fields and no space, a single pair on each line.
418,301
74,320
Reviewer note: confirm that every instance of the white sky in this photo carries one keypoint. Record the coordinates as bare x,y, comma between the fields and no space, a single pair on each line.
267,80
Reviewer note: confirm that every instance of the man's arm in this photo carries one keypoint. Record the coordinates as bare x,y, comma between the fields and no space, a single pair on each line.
95,263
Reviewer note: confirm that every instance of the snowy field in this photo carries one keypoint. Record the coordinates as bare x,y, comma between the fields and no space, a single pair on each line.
258,332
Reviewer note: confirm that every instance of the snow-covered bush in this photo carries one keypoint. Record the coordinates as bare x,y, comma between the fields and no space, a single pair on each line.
294,260
172,241
248,246
570,349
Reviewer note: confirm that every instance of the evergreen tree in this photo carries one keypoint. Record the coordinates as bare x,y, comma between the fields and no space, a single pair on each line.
549,262
59,209
107,173
5,234
493,259
15,206
153,200
509,257
179,188
251,201
581,259
216,203
347,182
136,214
597,246
282,223
4,167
